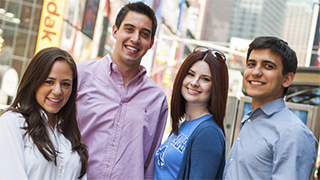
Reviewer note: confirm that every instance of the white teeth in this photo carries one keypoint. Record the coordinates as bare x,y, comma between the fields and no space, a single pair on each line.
132,49
193,91
256,83
54,100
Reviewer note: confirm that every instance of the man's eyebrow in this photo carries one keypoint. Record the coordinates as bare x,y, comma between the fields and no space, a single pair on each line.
264,61
271,62
251,60
145,29
128,24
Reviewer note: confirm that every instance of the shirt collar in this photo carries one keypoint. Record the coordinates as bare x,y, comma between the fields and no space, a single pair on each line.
45,116
273,106
269,108
113,67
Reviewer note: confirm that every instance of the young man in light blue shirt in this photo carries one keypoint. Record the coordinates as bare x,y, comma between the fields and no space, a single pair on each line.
273,142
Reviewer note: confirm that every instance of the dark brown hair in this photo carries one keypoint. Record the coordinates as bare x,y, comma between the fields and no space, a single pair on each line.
141,8
218,102
277,47
25,103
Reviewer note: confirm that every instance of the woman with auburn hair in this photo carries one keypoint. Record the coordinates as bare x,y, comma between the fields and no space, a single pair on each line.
196,147
39,135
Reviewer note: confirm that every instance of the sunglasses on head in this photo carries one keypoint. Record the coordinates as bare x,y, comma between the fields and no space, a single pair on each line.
217,54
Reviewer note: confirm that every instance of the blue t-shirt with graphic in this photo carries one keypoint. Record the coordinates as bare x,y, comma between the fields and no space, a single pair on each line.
168,156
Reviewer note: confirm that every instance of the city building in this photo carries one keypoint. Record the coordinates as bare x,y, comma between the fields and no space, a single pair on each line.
19,23
251,18
19,37
297,27
216,21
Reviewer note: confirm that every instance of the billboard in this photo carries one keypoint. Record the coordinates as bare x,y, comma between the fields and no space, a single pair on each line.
73,38
90,16
50,26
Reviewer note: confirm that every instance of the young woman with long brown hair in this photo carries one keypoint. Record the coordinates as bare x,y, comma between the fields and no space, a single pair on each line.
196,147
39,135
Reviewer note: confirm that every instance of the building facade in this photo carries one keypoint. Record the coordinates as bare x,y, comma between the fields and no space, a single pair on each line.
251,18
19,38
297,28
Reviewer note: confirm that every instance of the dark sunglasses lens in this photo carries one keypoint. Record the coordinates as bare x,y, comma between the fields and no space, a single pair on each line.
219,55
200,49
215,53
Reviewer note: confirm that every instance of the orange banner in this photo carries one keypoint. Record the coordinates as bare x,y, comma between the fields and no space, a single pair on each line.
51,22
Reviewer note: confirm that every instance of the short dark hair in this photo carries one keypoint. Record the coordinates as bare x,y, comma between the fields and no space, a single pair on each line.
278,47
219,89
138,7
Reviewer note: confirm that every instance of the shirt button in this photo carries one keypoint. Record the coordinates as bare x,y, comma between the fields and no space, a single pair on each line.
61,168
231,159
121,104
238,139
113,144
249,120
119,85
108,164
118,124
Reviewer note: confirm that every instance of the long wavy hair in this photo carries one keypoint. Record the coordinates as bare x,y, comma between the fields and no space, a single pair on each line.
219,89
25,103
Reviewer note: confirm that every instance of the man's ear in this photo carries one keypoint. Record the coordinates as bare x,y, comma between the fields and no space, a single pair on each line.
152,41
114,31
288,79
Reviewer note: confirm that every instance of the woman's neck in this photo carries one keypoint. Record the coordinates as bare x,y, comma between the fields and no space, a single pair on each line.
195,111
52,119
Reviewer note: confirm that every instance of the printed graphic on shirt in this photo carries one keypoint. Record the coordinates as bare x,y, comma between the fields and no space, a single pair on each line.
160,156
179,142
176,142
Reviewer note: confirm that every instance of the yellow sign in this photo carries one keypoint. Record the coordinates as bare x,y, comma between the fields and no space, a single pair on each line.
51,22
1,43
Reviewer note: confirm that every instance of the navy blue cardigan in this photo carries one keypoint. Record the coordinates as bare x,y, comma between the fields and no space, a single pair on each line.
204,157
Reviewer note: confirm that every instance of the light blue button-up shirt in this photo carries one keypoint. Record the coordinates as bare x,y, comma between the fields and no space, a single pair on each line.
272,144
